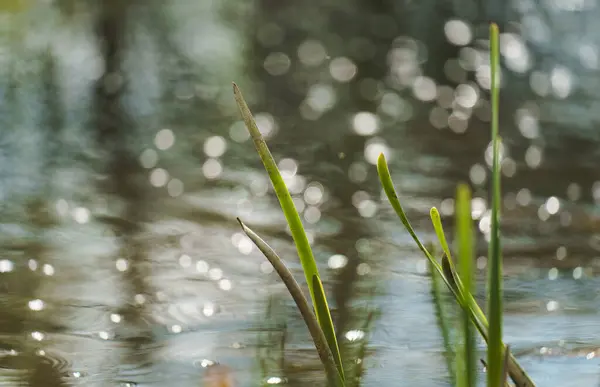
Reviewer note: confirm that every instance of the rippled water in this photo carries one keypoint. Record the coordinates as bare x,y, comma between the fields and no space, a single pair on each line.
123,165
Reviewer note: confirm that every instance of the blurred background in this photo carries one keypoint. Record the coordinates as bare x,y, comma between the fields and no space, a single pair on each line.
124,163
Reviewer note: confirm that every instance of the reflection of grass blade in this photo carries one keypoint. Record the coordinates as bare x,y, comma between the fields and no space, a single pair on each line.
464,236
495,348
504,375
463,378
315,330
442,319
293,219
448,275
362,353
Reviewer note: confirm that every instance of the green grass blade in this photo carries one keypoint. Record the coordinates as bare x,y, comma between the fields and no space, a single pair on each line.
448,274
442,320
318,336
495,347
388,187
293,219
464,236
436,220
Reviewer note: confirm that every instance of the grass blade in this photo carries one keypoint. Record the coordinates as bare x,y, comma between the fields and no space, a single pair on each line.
305,253
310,319
436,220
464,236
495,347
448,274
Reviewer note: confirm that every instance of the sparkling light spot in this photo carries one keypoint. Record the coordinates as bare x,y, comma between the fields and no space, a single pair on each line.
552,205
274,380
81,215
121,264
159,177
458,32
6,266
373,148
561,80
313,194
367,208
215,146
337,261
48,269
552,306
36,304
164,139
355,335
277,63
215,274
342,69
209,309
175,187
466,95
225,284
185,260
212,169
311,53
424,88
477,174
363,269
266,267
312,214
533,156
38,336
202,267
365,123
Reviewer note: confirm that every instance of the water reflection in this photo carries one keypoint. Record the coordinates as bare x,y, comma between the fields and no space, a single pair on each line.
124,165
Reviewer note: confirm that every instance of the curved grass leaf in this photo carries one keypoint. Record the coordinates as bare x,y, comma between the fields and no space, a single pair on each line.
305,253
388,186
495,347
448,275
310,319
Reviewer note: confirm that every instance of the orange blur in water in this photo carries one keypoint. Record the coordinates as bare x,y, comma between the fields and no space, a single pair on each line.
218,375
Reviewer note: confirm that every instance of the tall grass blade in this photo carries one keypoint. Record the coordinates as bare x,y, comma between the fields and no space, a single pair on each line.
310,319
305,253
448,274
495,348
464,237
